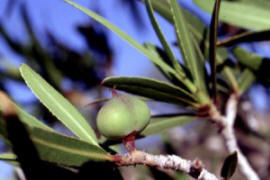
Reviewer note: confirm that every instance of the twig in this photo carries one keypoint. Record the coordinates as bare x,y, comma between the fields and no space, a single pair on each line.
230,139
19,173
193,168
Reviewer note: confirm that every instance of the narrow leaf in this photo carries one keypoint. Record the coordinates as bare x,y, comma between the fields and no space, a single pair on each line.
9,158
151,88
153,49
250,60
195,26
60,149
229,166
30,120
230,78
186,45
162,7
25,117
155,59
239,13
182,81
65,150
198,30
255,36
58,105
48,145
201,61
246,80
173,62
213,48
256,63
159,124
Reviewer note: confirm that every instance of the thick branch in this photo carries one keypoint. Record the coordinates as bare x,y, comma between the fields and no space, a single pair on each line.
230,139
193,168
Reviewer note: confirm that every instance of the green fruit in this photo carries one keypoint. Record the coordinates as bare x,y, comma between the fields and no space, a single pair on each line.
121,116
141,113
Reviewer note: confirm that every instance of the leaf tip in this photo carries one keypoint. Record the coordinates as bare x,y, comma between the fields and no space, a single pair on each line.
229,166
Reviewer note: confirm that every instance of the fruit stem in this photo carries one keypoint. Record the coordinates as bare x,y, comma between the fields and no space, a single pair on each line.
129,141
114,92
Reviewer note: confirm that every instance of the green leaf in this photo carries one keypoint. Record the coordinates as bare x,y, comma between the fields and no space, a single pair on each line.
255,36
258,64
201,61
173,62
229,166
195,26
60,149
198,30
183,82
241,14
58,105
230,78
152,48
250,60
152,56
64,150
246,80
9,158
213,47
151,88
30,120
186,45
159,124
162,7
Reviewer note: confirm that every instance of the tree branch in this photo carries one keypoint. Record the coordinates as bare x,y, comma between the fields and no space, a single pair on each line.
230,139
193,168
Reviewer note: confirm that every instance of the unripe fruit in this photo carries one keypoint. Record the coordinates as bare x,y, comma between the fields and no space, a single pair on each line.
121,116
141,113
